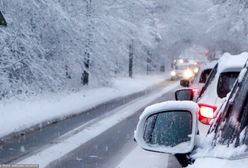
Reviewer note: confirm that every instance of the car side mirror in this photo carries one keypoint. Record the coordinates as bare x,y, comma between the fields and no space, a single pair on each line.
184,94
184,83
168,127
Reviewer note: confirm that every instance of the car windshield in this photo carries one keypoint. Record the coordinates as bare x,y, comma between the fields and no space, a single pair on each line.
204,76
225,83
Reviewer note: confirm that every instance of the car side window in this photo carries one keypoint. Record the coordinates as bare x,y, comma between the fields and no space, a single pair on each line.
225,83
209,80
204,76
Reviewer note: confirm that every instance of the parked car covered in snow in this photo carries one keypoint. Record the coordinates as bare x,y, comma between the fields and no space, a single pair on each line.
171,127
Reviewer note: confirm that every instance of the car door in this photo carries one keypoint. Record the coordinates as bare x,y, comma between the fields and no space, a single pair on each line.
230,130
233,121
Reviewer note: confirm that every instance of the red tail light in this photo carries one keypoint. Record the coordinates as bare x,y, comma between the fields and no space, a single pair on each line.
206,111
195,90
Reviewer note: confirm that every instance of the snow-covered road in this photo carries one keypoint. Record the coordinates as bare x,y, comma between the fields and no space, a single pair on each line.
18,115
85,133
139,158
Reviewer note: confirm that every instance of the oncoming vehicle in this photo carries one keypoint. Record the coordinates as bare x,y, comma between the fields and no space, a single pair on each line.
183,69
171,127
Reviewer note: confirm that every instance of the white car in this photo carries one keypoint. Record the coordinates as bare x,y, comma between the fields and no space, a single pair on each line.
171,127
219,84
201,78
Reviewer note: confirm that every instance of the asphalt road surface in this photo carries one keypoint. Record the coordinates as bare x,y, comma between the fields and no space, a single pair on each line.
104,151
109,148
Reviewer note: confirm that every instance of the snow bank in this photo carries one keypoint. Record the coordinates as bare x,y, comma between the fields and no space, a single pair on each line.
18,115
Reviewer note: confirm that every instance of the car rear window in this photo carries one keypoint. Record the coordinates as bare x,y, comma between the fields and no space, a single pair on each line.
204,75
225,83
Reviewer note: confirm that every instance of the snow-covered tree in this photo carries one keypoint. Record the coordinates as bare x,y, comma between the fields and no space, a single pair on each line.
228,25
55,45
50,45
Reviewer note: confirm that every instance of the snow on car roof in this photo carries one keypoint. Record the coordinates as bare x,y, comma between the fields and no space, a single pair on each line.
209,65
170,105
227,63
232,61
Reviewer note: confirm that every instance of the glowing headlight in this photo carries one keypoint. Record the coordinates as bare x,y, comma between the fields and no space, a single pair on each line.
187,74
173,73
181,61
196,70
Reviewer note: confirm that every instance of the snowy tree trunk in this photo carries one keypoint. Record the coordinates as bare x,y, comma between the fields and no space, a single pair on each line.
148,61
130,67
87,52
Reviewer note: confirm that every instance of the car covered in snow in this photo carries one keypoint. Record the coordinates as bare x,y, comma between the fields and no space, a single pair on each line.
171,127
218,85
